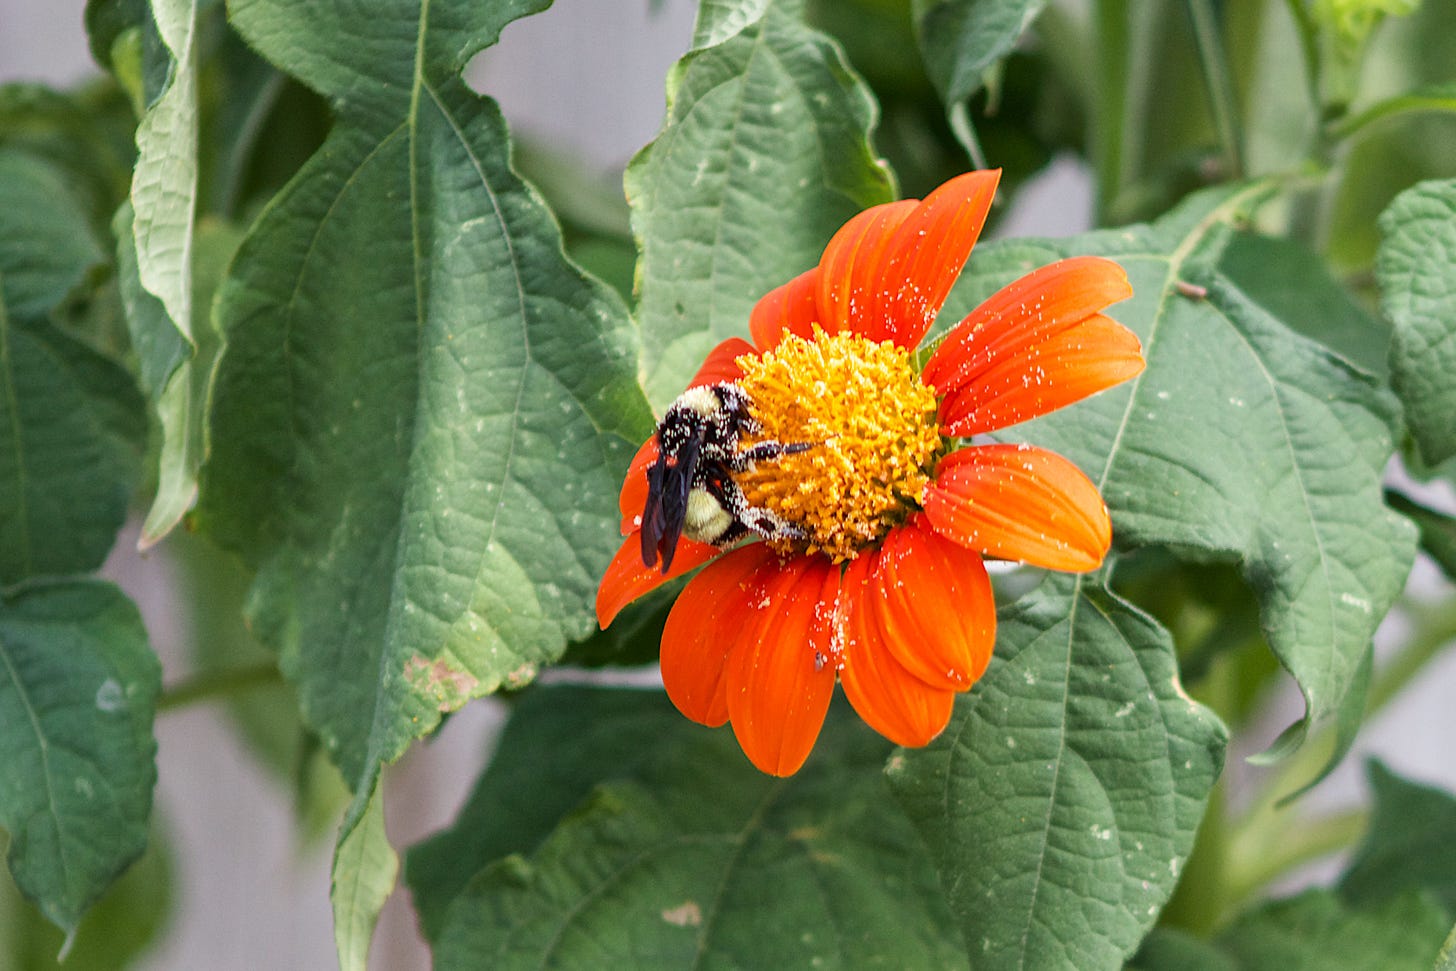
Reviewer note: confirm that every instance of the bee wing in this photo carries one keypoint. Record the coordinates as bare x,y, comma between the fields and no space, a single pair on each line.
669,481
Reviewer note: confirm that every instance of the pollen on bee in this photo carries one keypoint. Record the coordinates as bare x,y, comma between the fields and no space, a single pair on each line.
873,425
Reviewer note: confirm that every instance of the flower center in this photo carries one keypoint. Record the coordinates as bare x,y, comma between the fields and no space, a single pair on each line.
872,424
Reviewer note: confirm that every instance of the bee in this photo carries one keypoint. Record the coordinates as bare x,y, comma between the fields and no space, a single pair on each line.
690,488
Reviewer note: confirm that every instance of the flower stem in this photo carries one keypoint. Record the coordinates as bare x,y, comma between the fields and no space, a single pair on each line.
213,685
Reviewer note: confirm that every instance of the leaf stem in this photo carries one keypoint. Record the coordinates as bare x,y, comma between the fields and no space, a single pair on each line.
1257,858
214,685
1213,59
1268,840
1435,630
1441,100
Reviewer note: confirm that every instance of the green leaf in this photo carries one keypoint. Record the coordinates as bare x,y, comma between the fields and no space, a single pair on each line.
365,868
1294,285
123,925
1170,949
1061,802
85,133
1416,268
78,689
763,155
961,40
1315,931
684,855
423,413
1241,441
47,243
1411,843
73,424
515,804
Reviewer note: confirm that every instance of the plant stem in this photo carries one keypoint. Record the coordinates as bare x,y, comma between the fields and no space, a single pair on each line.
1110,108
1309,45
1201,897
1213,59
213,685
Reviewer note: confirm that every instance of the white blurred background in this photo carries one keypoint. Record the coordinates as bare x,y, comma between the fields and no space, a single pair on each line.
249,892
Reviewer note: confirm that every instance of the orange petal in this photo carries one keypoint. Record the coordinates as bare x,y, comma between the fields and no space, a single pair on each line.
1070,365
628,578
927,254
889,698
933,603
632,500
705,626
853,269
721,365
1022,314
791,307
887,272
781,676
1023,503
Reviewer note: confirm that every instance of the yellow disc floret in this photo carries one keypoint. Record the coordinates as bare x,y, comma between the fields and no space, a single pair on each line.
872,425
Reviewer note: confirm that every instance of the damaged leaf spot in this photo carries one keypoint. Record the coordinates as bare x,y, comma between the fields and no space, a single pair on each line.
688,914
447,687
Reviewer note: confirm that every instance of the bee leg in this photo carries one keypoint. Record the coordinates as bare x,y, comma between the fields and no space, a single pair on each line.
756,519
767,451
770,525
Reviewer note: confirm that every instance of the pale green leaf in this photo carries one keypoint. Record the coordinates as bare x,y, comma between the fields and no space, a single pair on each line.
1061,802
78,690
176,372
365,867
763,155
164,183
1416,267
156,246
682,854
1446,959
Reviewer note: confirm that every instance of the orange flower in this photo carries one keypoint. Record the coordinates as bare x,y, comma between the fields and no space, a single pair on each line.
880,585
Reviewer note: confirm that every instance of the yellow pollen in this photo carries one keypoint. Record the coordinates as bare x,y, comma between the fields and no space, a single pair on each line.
872,425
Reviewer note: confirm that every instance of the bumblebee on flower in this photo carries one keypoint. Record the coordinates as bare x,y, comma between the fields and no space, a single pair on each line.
844,465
